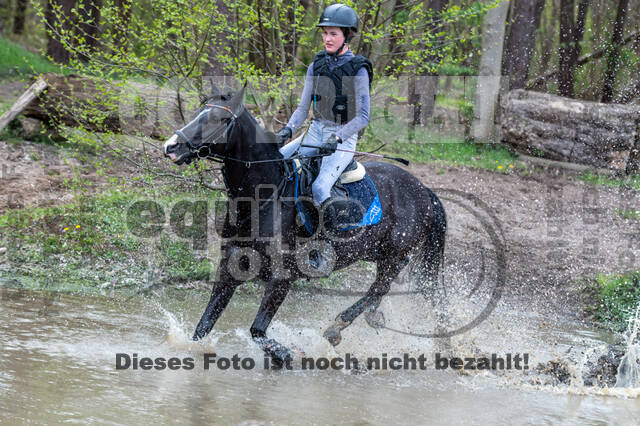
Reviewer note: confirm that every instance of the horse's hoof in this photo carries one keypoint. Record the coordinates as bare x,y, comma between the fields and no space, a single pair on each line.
332,334
280,354
375,319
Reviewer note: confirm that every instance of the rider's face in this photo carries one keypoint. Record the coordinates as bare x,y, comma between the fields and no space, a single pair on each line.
332,38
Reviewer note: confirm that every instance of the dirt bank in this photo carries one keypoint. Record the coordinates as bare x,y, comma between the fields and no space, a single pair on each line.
556,227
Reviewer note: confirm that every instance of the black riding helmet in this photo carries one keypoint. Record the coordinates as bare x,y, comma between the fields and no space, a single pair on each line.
340,15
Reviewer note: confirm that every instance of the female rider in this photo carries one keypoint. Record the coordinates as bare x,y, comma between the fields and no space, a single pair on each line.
337,84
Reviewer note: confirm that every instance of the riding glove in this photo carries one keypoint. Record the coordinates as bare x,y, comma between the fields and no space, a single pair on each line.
284,134
330,147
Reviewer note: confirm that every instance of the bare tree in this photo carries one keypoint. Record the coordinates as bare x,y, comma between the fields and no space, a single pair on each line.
18,17
423,88
489,73
520,41
613,55
89,24
55,22
571,32
215,67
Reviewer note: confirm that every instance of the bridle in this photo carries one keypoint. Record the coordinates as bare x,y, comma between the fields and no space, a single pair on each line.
288,172
188,140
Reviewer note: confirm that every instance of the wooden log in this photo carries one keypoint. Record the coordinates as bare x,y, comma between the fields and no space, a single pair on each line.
23,102
563,129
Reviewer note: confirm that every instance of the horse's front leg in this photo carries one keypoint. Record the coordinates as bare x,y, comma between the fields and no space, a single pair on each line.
223,289
274,294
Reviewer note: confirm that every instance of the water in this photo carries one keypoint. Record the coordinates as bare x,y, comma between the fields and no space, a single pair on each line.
57,364
629,370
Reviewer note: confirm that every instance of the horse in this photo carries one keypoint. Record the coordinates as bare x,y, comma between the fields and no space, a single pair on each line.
413,224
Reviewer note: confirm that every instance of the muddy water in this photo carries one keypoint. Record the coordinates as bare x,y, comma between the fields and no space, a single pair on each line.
58,364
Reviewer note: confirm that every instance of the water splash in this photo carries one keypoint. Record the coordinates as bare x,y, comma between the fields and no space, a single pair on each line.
629,369
576,385
179,334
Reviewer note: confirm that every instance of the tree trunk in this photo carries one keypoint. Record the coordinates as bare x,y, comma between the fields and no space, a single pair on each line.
89,24
18,18
214,67
520,41
489,73
563,129
394,48
291,38
5,15
570,37
613,56
124,15
423,88
547,21
55,49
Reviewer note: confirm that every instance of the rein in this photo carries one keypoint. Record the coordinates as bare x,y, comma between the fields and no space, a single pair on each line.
288,172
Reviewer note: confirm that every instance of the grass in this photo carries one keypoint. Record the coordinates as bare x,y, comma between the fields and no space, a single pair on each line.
93,241
612,299
629,214
452,152
17,61
632,181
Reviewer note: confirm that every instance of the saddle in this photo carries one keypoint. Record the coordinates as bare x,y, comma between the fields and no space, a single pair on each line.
354,197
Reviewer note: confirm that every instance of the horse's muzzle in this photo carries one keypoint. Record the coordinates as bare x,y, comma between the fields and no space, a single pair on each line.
179,153
170,146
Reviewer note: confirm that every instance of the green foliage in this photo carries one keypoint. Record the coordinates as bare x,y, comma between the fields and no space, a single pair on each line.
178,43
613,298
180,261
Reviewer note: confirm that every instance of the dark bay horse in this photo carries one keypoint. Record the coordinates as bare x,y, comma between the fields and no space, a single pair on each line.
260,232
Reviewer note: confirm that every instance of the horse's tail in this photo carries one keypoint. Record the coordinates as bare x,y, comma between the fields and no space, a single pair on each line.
431,257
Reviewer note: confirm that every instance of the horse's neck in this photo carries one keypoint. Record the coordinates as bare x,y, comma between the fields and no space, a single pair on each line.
243,176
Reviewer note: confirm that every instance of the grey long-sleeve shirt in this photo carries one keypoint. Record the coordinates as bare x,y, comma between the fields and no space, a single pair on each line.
361,118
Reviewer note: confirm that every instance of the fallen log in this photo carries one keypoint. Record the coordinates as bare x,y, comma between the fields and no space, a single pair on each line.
563,129
23,102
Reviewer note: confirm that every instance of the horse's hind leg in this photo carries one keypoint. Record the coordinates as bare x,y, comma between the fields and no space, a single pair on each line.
274,295
385,274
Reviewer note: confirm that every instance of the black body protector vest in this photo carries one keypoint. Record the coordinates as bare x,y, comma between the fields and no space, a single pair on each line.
334,91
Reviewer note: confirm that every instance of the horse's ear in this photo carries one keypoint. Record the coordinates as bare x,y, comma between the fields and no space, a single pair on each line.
215,91
236,101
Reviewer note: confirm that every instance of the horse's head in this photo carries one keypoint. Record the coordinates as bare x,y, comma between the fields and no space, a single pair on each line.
206,132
